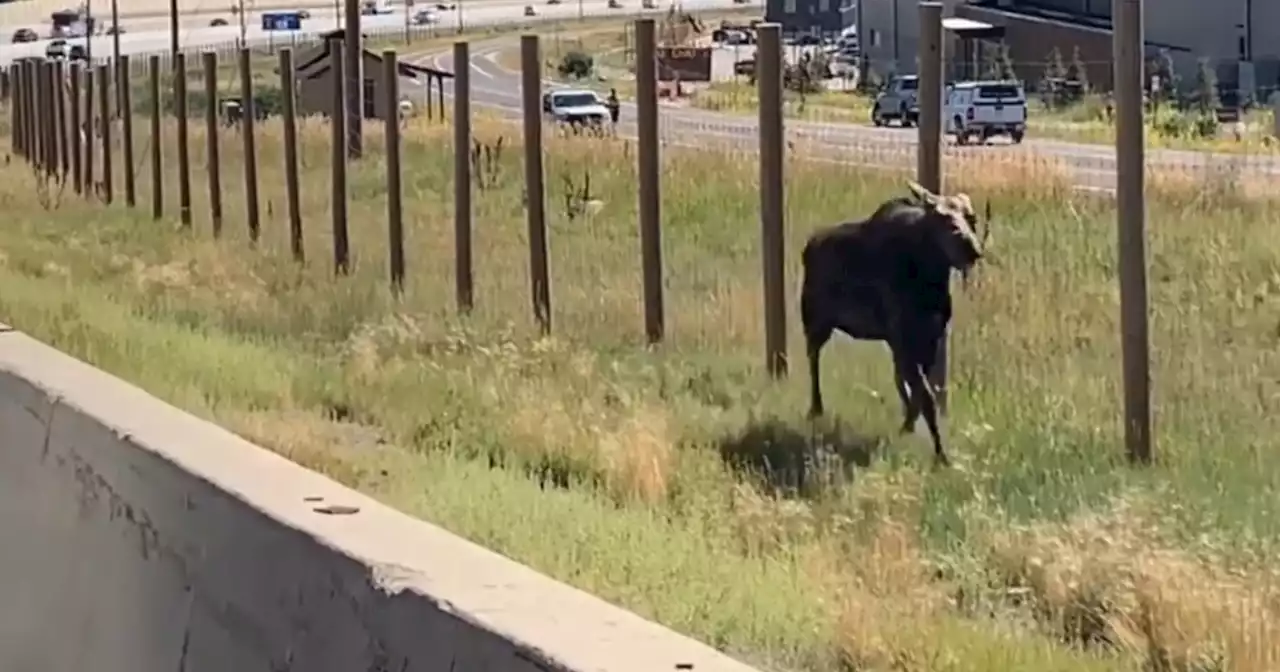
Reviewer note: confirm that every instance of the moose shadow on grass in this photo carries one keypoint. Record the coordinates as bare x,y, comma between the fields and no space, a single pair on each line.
799,460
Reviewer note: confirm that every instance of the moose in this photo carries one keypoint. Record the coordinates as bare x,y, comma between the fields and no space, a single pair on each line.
888,278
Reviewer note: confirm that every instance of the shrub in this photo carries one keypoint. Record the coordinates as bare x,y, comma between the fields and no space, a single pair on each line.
576,65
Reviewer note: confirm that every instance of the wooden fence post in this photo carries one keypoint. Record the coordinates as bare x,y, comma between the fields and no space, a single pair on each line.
1127,47
125,97
395,221
248,112
90,135
929,152
157,156
184,155
42,119
338,124
769,82
60,118
47,119
650,171
289,89
539,271
76,129
16,108
104,115
214,162
463,273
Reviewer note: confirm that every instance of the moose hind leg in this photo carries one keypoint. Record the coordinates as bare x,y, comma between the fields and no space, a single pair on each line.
923,402
815,339
902,379
910,411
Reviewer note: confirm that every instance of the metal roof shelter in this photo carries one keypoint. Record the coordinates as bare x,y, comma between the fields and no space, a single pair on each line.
973,38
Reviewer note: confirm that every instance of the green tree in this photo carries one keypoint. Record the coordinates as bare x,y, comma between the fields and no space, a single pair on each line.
990,63
1055,71
1206,91
1077,73
1163,68
1004,64
576,65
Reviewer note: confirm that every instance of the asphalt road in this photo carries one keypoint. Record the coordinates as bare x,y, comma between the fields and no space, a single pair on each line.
1091,166
150,35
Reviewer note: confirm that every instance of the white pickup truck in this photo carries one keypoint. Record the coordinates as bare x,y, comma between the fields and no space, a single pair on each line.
982,110
575,107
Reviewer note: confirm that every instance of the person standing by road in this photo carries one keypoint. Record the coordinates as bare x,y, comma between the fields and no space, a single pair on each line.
615,109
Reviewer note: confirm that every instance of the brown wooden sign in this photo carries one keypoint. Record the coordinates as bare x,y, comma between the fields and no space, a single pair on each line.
688,64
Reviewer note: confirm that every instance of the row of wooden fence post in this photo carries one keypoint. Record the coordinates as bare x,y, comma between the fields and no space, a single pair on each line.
33,131
57,122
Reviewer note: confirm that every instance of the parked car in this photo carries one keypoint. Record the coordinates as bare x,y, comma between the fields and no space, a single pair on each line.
897,101
25,35
426,17
56,49
530,11
77,52
615,4
575,106
218,22
304,14
983,110
445,7
115,30
746,67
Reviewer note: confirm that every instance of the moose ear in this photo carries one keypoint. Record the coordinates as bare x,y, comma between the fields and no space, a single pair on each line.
921,193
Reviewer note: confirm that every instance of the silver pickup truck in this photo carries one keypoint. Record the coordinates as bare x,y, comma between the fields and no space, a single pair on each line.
898,102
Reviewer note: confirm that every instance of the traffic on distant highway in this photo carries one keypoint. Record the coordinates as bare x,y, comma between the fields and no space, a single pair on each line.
140,35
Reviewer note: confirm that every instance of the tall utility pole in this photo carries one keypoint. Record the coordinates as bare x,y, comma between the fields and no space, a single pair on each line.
408,9
89,29
121,76
355,80
173,27
244,28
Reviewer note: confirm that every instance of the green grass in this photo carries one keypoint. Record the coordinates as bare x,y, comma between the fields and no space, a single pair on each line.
640,474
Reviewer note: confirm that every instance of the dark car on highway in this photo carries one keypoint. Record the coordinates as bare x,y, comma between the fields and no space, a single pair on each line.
25,35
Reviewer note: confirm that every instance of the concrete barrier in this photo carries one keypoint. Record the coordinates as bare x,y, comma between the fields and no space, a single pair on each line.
138,538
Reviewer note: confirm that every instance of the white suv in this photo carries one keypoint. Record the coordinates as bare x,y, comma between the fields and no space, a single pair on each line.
981,110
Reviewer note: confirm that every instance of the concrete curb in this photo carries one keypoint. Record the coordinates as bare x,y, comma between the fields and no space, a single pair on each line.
146,539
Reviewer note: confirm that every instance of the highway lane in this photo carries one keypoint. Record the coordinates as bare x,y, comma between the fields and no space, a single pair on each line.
500,12
323,16
1090,166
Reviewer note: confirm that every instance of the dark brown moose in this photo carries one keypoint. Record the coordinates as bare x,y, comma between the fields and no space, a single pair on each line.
888,278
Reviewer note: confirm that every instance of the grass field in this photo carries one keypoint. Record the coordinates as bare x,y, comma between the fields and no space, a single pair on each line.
677,481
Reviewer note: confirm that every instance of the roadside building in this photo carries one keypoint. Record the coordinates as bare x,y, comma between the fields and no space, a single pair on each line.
814,17
316,79
1239,38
